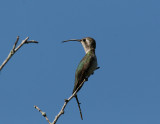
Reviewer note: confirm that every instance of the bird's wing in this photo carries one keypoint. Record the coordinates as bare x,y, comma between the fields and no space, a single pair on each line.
82,69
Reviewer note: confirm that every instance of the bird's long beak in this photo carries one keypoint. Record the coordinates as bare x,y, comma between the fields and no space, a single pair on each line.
79,40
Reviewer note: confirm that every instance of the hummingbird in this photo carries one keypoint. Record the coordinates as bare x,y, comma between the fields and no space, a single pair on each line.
87,65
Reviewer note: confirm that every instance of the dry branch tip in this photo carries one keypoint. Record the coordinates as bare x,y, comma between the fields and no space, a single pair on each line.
15,49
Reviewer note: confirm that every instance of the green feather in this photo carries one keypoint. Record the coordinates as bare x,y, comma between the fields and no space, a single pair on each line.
85,68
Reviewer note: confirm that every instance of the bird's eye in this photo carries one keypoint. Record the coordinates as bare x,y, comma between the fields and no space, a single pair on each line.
84,40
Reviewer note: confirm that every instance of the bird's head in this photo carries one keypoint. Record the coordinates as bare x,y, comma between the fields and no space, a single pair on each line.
88,43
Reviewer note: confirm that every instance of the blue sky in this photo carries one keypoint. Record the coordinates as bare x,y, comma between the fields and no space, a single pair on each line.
125,90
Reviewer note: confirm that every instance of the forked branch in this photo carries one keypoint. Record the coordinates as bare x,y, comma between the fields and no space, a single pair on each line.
15,49
63,107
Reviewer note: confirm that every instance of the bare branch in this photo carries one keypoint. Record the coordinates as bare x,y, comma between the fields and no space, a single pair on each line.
14,50
43,113
79,106
63,107
32,41
15,43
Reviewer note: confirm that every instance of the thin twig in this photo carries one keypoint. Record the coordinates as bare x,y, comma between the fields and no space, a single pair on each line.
14,50
79,106
15,43
63,107
43,113
31,41
66,101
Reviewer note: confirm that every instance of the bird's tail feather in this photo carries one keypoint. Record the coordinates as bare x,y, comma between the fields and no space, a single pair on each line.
79,106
